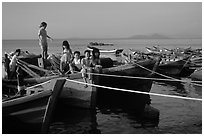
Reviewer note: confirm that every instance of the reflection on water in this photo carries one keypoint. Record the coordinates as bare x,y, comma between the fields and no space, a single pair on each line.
178,115
72,120
181,88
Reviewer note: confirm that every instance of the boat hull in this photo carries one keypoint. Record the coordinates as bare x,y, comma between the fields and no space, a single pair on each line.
178,68
197,75
28,109
75,94
125,99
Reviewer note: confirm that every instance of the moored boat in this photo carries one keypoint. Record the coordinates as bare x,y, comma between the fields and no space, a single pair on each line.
30,106
176,68
197,75
115,51
75,94
100,44
124,99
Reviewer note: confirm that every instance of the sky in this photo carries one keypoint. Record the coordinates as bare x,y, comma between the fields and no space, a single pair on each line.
21,20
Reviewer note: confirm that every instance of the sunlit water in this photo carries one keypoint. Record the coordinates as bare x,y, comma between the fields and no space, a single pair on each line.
177,116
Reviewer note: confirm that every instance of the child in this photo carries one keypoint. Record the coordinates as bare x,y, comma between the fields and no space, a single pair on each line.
95,58
86,64
66,59
42,35
76,63
96,62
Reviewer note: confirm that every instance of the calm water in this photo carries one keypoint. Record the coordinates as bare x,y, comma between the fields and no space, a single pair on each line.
177,116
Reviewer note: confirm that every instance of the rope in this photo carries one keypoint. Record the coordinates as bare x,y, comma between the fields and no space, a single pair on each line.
146,78
37,85
155,72
168,76
134,91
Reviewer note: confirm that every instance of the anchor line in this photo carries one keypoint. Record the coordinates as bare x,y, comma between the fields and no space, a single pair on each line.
126,90
147,78
163,75
134,91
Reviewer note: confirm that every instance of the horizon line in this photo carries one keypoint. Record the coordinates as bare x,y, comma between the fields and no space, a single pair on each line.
78,38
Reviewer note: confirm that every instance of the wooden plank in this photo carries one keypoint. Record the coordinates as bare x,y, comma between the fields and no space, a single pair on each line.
33,66
51,105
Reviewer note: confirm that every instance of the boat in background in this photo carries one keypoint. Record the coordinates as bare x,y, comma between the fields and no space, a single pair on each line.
178,68
115,51
100,44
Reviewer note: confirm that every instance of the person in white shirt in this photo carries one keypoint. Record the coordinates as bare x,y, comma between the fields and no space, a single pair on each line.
76,63
12,64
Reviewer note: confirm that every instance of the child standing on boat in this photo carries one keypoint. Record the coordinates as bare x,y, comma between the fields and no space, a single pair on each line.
42,35
66,59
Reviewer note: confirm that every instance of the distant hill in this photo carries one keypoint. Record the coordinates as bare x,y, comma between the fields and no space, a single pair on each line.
153,36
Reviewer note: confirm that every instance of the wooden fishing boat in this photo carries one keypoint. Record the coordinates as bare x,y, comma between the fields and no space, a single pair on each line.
176,68
75,94
124,99
152,50
115,51
196,61
100,44
197,75
29,107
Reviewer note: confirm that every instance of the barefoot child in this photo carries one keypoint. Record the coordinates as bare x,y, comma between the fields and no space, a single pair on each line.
86,65
42,35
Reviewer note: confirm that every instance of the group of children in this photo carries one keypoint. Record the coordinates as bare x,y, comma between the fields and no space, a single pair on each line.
70,62
73,63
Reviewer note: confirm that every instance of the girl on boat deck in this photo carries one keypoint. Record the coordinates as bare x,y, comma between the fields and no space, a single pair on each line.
96,62
66,59
42,35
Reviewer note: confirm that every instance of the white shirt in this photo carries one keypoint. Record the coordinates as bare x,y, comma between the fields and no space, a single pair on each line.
75,61
12,64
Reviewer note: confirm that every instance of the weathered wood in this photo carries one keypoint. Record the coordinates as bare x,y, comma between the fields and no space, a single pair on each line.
27,70
33,66
51,105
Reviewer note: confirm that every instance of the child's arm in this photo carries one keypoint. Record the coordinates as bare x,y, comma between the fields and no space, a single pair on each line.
49,37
